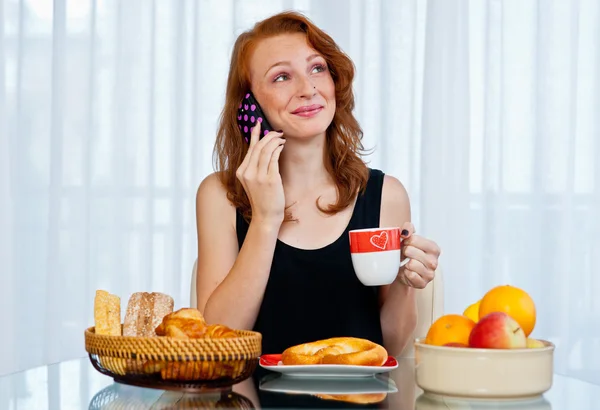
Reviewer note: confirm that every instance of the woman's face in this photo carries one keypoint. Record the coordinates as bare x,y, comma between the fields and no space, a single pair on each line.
293,85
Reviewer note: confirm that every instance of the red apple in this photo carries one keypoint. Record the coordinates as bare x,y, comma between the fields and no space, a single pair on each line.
497,330
456,344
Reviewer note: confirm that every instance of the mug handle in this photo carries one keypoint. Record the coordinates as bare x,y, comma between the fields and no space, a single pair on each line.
405,261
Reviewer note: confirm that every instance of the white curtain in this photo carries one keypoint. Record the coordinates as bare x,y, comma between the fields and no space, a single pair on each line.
488,111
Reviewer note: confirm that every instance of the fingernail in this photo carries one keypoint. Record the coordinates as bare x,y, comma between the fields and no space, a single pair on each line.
404,232
280,131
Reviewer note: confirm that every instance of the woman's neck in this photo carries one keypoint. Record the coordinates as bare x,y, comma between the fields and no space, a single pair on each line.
301,164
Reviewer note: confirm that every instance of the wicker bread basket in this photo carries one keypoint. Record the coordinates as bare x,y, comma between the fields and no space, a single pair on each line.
166,362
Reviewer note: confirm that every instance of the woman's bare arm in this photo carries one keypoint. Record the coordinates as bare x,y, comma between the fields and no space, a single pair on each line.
230,285
398,304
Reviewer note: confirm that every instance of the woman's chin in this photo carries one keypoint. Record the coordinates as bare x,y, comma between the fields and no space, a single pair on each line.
307,132
306,135
309,128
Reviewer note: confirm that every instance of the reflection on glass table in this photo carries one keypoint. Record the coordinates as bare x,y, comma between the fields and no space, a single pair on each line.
427,402
119,396
76,385
367,390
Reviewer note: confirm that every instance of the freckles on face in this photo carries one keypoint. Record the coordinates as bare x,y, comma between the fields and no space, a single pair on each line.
286,75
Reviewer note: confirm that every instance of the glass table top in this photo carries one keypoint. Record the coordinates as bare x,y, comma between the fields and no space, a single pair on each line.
75,384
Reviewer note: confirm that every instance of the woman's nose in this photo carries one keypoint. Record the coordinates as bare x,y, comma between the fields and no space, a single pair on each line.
306,88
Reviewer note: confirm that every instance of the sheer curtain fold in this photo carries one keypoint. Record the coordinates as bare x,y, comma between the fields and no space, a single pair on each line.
444,171
487,111
7,285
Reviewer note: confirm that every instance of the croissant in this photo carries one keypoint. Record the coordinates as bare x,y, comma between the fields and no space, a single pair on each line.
186,323
200,370
337,350
219,331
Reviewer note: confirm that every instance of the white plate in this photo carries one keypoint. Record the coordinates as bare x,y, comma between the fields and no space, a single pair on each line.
273,362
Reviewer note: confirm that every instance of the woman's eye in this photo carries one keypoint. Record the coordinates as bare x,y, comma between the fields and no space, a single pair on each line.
281,77
319,68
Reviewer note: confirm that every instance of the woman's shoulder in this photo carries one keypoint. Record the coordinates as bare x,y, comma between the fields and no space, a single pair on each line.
387,187
212,185
212,198
395,202
389,182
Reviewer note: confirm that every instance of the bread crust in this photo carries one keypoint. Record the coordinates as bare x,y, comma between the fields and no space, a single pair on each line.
337,350
107,314
145,311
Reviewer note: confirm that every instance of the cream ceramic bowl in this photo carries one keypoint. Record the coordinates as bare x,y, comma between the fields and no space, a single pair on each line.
428,402
495,374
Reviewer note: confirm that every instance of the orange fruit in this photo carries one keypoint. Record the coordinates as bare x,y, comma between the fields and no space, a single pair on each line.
514,302
450,329
472,312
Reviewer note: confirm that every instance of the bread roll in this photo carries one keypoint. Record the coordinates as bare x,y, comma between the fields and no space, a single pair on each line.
107,314
336,350
144,313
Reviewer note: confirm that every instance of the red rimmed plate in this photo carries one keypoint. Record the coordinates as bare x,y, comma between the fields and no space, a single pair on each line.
273,362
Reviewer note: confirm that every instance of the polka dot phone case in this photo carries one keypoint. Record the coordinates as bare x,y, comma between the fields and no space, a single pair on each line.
249,114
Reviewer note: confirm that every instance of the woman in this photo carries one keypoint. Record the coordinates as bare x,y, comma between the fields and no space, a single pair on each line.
273,221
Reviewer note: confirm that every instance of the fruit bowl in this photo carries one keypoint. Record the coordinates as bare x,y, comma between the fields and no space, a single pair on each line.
474,373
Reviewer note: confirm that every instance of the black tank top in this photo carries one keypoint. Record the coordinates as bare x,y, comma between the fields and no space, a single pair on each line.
315,294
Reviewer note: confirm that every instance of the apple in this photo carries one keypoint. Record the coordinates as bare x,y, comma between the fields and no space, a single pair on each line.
534,343
456,344
497,330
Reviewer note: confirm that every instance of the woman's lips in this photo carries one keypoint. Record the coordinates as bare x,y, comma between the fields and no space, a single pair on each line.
308,110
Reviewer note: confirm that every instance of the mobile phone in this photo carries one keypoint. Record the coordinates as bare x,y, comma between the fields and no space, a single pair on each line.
249,114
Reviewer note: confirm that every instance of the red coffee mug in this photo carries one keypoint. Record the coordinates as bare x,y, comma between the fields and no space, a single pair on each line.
375,254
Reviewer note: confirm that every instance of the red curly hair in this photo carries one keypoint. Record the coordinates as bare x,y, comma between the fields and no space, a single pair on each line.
344,146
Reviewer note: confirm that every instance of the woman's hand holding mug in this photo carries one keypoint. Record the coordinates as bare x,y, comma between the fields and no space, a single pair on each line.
382,255
422,255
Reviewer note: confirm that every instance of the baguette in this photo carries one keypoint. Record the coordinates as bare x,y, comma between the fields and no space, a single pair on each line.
107,314
145,311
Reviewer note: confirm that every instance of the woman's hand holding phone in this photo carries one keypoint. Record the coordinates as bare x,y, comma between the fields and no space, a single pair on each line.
259,175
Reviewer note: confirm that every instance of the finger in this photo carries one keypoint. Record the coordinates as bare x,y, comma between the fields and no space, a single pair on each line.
253,138
259,147
274,163
404,278
407,230
414,280
420,269
422,243
255,134
428,260
267,153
